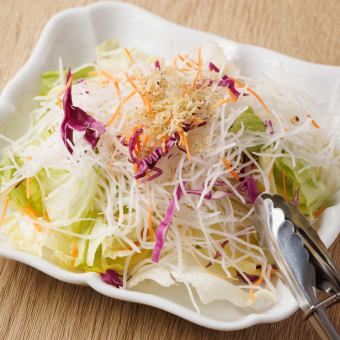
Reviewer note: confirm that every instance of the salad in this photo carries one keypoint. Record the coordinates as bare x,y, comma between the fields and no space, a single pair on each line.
142,168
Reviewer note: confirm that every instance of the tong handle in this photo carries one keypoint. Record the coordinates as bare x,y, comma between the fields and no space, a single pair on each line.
322,325
319,320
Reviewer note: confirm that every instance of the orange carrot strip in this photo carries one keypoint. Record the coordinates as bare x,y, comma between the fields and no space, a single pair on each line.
184,142
115,114
315,124
229,167
144,96
29,211
252,295
107,75
318,212
237,82
259,99
119,92
181,57
4,210
136,88
145,140
135,167
164,140
139,149
129,55
28,191
151,231
250,90
75,252
251,291
232,96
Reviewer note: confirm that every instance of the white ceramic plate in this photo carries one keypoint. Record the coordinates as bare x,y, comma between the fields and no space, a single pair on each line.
73,35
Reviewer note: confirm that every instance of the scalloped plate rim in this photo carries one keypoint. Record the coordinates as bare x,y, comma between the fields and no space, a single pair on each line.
92,279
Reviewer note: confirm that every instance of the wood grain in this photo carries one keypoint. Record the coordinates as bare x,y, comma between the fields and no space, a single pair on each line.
35,306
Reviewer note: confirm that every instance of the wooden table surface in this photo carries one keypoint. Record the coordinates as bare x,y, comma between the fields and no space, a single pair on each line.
35,306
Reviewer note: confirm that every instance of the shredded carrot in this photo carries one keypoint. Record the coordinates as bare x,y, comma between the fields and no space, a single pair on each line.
135,167
252,295
184,141
318,212
75,252
251,291
139,149
259,281
119,92
144,96
284,186
164,140
180,57
232,96
286,129
315,124
151,231
199,67
251,91
129,79
229,167
184,60
107,75
221,102
46,217
115,114
28,191
145,140
237,82
259,99
129,55
29,211
4,210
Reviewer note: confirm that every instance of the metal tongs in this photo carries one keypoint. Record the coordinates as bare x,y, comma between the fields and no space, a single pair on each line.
301,257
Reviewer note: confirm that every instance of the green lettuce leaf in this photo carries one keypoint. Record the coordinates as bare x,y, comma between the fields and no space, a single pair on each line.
313,193
250,122
49,79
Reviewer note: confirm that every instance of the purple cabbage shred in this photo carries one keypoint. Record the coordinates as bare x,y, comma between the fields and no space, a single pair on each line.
112,278
248,188
213,67
296,197
230,84
77,119
164,226
269,126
